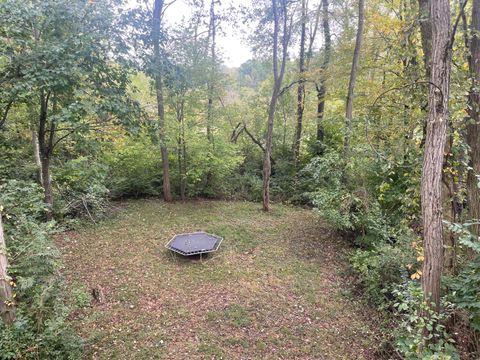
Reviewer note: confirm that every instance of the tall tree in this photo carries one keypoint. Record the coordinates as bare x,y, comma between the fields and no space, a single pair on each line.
353,76
473,125
321,86
7,304
436,136
212,32
158,65
280,25
301,84
59,60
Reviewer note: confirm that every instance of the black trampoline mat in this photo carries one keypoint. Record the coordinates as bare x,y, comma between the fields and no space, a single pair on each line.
194,243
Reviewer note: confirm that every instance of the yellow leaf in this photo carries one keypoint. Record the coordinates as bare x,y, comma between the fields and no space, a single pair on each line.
420,258
416,275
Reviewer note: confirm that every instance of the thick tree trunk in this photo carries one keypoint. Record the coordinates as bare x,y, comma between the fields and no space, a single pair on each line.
322,85
353,78
278,78
157,14
301,86
473,126
436,136
7,303
45,145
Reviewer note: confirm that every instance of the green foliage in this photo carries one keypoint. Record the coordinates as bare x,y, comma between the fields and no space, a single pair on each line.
464,287
55,340
247,186
69,57
217,164
347,206
16,160
421,333
465,291
41,329
81,296
81,184
322,181
135,167
381,269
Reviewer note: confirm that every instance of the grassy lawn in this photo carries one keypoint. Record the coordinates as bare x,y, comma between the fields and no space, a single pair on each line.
274,290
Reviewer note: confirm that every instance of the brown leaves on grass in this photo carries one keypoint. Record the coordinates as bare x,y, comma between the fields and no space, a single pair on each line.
273,290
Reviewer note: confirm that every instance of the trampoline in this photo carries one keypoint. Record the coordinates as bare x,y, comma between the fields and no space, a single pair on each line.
196,243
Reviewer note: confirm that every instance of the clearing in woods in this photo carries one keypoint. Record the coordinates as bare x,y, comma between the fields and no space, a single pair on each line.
274,290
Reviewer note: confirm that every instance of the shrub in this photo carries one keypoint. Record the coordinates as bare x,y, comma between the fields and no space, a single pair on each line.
210,170
135,167
421,332
247,186
40,330
382,269
465,286
81,184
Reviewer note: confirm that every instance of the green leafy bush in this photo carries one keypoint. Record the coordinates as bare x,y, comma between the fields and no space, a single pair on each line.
41,330
210,170
465,292
346,205
81,183
135,167
382,269
465,286
421,332
247,186
321,181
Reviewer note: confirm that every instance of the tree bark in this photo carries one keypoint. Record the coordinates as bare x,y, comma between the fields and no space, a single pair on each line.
278,78
213,59
211,84
353,77
301,85
45,145
473,125
182,150
436,136
36,155
425,22
322,85
156,23
7,303
426,37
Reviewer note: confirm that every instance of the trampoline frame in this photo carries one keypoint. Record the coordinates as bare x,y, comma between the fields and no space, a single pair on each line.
199,252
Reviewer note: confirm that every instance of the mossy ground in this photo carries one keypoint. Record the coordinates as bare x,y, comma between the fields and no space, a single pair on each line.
274,290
